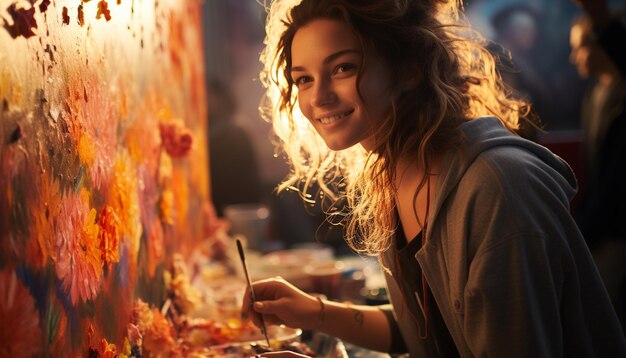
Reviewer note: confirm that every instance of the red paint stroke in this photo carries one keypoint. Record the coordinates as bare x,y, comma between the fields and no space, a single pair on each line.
50,52
21,333
81,15
44,5
23,21
176,139
66,17
103,9
109,235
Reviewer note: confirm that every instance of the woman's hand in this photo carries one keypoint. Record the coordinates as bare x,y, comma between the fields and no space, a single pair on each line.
281,303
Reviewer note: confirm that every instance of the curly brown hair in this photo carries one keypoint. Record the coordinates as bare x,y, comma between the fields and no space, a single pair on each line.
426,44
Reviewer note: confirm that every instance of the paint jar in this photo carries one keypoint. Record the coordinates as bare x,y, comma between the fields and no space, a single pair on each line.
250,220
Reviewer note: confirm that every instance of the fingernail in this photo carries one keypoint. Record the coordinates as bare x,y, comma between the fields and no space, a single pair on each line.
258,305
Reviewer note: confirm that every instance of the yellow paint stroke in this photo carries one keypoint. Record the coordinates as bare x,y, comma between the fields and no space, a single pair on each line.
166,206
124,199
86,149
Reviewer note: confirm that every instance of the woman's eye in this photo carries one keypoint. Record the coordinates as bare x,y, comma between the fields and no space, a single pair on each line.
302,80
344,67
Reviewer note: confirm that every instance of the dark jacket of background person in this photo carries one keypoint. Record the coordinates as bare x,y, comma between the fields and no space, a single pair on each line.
602,211
613,41
603,206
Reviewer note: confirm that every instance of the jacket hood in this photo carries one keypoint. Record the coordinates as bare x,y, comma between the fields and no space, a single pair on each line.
484,133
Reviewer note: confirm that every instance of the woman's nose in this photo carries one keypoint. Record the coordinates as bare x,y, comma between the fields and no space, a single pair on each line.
324,93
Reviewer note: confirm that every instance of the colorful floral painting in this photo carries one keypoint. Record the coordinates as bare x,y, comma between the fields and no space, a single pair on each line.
103,169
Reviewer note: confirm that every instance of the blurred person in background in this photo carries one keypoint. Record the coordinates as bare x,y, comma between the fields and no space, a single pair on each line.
598,42
235,175
516,29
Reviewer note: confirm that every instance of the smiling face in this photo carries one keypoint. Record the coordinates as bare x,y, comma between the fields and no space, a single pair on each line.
326,60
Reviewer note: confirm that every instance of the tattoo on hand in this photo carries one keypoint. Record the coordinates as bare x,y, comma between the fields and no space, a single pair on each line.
358,317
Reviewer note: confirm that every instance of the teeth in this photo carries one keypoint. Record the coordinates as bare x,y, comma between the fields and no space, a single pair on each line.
327,120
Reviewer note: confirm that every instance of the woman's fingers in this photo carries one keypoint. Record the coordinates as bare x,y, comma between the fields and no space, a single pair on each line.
271,310
277,306
262,290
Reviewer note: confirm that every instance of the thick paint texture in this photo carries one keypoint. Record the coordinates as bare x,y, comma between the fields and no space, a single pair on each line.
103,168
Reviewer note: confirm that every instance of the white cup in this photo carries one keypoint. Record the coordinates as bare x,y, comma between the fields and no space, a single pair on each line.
251,221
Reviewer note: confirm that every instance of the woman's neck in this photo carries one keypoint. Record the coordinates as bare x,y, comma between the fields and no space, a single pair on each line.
409,176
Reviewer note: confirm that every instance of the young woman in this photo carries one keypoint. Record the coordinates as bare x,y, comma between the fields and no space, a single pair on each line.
395,107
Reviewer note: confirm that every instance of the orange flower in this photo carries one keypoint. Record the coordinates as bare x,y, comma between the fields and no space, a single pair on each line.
109,235
20,333
106,350
44,201
154,329
78,263
158,339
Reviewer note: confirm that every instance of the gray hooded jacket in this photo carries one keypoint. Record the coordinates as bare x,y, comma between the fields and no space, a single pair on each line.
507,265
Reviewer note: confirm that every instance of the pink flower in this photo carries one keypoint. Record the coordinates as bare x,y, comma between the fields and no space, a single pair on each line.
93,128
20,333
79,263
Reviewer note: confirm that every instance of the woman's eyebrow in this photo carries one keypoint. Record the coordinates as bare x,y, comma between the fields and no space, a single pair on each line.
329,58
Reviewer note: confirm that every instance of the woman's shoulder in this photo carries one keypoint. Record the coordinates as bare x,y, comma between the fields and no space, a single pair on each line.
516,174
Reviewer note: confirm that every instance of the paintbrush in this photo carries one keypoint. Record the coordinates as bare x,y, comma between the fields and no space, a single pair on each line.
245,270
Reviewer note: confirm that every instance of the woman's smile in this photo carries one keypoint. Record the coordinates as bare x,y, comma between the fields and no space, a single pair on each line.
343,100
333,119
